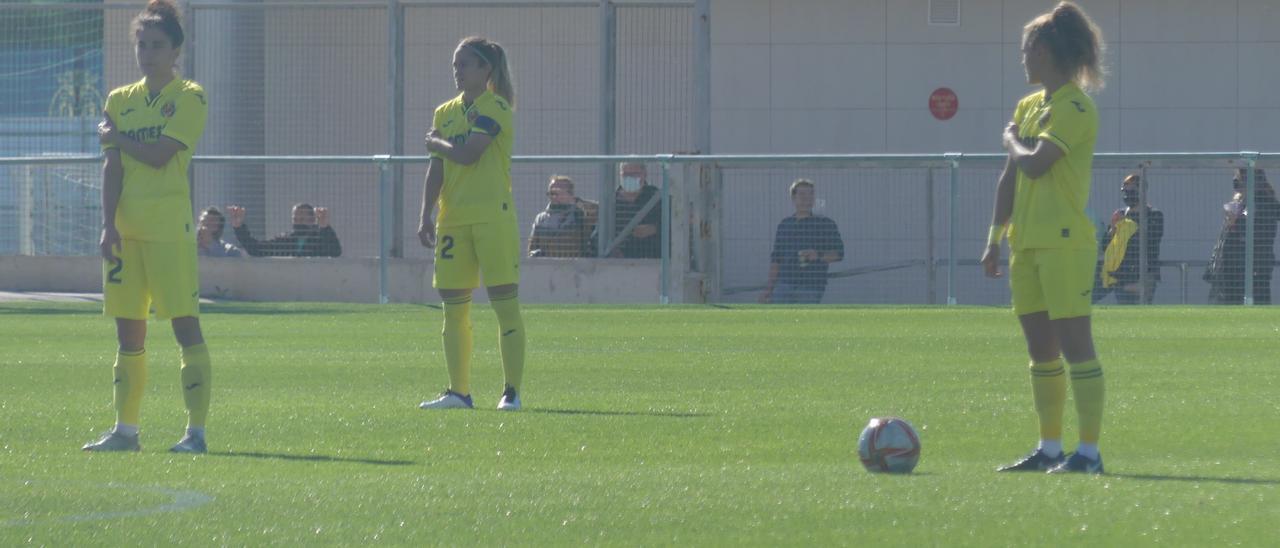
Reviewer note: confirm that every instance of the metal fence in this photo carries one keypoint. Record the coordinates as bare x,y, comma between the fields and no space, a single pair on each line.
357,77
912,225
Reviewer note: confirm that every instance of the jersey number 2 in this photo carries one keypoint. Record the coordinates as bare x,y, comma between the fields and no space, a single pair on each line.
447,242
112,274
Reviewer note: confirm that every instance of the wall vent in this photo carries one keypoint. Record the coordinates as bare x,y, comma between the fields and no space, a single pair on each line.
944,13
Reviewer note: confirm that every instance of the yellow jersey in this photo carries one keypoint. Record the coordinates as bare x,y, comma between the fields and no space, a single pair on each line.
480,192
1049,212
155,203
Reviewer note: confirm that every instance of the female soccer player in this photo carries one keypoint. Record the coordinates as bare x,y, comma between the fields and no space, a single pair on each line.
470,176
148,133
1041,198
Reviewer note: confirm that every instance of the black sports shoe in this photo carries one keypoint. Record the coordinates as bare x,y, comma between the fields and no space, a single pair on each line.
1037,461
510,401
1080,464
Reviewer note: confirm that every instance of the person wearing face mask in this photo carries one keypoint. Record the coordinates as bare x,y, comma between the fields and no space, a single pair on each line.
563,228
1121,247
311,235
633,196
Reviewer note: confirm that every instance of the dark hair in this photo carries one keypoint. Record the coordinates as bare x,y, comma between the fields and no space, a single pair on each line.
799,183
1262,188
213,212
162,14
492,54
304,205
1074,40
1131,179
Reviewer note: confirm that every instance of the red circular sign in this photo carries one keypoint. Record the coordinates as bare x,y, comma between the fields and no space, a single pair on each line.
943,103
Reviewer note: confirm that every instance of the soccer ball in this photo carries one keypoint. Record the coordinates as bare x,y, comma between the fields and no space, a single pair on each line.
889,444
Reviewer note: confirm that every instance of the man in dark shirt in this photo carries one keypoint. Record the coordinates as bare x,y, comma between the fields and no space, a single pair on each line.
804,247
311,235
563,229
634,192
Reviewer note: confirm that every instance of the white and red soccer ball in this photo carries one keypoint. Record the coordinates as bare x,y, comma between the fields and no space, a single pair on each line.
889,444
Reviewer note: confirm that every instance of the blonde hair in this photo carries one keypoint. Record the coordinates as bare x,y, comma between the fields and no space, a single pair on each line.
1074,41
492,54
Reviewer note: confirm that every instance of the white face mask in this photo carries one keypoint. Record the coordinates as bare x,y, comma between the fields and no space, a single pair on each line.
631,184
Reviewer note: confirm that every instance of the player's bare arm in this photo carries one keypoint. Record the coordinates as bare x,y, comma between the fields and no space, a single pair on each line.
1033,162
466,153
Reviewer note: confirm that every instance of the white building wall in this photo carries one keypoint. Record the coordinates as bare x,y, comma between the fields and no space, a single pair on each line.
845,76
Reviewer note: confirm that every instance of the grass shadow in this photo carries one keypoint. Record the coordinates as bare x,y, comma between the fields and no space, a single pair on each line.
310,458
674,414
1161,477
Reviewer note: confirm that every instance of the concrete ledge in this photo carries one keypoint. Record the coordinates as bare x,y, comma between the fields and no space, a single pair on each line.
353,280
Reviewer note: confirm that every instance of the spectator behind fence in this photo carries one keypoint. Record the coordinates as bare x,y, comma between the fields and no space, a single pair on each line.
635,197
804,247
1225,272
563,229
311,235
1119,271
209,242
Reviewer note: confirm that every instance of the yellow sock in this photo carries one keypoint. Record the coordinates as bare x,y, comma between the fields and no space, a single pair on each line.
130,382
197,372
511,336
1049,387
457,343
1090,392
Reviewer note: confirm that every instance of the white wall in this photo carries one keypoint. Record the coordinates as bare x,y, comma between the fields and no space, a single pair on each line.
854,76
353,280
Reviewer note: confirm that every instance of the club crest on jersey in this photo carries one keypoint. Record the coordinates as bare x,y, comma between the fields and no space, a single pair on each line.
472,115
168,109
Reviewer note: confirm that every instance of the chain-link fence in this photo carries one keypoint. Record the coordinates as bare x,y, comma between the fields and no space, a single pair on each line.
896,226
873,229
359,77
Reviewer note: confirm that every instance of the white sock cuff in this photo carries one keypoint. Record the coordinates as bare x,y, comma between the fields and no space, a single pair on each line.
1088,450
1052,448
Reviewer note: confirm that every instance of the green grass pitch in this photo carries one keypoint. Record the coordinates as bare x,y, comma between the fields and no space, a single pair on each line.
642,426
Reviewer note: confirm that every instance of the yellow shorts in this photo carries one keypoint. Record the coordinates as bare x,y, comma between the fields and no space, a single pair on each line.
164,274
1057,280
463,252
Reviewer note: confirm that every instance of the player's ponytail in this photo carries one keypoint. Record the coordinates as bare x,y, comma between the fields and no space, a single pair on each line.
161,14
1075,42
492,54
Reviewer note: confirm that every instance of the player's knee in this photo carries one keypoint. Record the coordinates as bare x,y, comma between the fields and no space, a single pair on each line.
187,331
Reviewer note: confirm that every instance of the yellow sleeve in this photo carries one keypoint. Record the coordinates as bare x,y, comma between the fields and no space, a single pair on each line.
112,108
435,123
1070,124
191,109
1020,111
